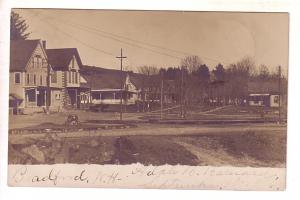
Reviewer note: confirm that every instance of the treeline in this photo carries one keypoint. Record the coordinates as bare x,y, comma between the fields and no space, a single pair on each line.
194,83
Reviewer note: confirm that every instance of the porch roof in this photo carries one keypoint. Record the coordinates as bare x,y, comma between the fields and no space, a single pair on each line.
14,96
98,78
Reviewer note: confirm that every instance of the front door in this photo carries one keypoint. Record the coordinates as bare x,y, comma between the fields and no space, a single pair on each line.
41,97
73,97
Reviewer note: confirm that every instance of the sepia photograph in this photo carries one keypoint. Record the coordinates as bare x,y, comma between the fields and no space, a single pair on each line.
166,92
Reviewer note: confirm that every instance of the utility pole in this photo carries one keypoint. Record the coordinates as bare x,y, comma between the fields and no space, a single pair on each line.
279,88
161,96
122,85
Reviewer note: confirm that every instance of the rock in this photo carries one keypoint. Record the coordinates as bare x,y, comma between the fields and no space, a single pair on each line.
16,157
35,153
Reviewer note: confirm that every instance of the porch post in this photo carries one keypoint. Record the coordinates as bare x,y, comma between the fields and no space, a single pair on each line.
36,97
76,99
45,98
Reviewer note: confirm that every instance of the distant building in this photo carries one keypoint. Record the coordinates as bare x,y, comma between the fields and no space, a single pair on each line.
266,93
266,99
108,86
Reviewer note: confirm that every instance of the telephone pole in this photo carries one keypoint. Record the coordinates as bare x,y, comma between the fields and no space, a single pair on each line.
122,85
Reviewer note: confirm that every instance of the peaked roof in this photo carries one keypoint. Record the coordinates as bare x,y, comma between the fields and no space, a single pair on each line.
60,59
20,53
101,78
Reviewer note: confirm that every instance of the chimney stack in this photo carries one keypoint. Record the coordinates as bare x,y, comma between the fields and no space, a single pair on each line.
44,44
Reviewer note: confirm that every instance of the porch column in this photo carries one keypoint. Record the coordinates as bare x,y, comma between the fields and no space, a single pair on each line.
76,97
45,98
36,97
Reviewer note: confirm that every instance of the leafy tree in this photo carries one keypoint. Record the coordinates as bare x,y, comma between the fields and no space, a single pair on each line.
202,73
219,73
18,27
218,89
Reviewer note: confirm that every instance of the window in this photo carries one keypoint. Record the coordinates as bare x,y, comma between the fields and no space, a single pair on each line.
17,78
38,61
73,77
44,63
276,99
72,63
57,96
28,79
69,77
54,77
41,80
76,77
31,95
34,79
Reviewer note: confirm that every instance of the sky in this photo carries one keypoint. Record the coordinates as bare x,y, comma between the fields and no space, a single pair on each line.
163,38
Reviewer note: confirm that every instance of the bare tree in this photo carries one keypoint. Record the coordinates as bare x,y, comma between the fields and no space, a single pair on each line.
238,76
148,70
191,63
263,72
150,85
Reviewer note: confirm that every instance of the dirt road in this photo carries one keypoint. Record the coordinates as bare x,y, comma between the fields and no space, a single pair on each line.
162,129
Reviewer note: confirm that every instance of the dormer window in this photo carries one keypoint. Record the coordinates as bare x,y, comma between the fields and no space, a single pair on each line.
72,63
44,63
28,79
37,61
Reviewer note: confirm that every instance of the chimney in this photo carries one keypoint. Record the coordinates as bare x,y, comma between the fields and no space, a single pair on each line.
44,44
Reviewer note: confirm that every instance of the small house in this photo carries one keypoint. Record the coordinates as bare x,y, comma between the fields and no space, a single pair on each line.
110,87
266,93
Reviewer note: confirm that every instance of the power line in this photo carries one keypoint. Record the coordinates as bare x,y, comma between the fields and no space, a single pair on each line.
113,36
76,39
118,40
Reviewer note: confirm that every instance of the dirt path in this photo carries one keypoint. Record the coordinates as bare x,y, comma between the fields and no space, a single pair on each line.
218,157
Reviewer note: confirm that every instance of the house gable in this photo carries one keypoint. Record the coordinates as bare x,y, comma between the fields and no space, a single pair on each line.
37,60
129,86
73,65
61,59
20,53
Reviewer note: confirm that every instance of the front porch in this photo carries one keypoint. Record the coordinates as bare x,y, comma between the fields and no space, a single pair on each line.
113,97
36,100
